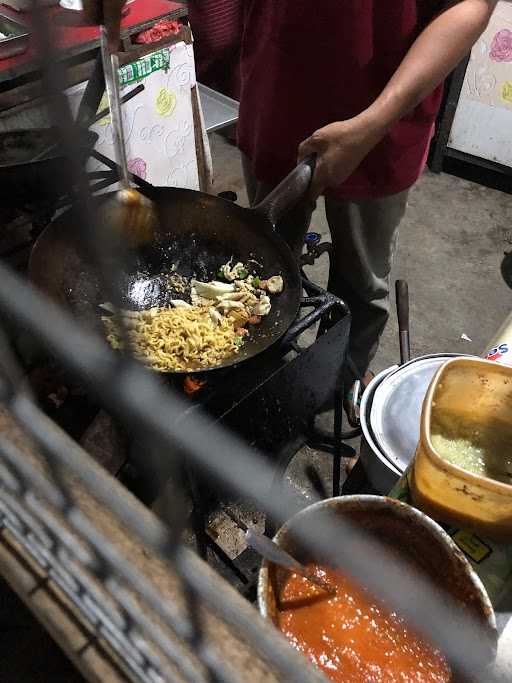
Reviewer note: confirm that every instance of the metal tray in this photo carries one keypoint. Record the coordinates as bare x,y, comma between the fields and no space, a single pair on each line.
219,111
17,37
397,404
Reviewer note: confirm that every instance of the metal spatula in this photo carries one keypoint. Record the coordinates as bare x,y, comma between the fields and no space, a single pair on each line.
271,552
131,214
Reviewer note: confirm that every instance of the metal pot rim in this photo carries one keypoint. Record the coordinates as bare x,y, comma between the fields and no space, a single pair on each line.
365,423
367,406
376,503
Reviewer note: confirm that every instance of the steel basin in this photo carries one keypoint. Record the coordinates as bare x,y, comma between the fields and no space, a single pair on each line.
406,531
381,472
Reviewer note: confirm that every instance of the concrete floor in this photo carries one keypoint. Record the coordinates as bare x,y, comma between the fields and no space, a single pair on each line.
452,241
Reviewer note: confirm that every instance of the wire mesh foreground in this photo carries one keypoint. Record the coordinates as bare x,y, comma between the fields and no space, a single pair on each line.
50,502
90,554
161,422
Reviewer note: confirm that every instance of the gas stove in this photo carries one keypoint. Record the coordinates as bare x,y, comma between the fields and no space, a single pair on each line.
271,399
271,402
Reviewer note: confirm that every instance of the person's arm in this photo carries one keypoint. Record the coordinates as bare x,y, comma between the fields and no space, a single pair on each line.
342,146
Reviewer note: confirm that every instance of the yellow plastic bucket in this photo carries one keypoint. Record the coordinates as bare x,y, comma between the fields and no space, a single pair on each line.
466,391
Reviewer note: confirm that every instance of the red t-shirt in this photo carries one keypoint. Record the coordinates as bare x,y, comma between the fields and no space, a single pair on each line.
307,63
217,28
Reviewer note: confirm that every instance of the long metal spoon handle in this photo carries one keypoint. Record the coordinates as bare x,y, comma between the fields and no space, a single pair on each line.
273,553
402,307
111,70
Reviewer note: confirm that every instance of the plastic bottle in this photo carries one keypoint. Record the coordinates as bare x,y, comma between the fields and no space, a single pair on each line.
499,349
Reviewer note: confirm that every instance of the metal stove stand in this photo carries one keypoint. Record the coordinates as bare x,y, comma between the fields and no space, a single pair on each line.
271,403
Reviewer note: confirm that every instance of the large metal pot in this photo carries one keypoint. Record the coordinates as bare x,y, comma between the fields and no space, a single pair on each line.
411,535
381,472
390,418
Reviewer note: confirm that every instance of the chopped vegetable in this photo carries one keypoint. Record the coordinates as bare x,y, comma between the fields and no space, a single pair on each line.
238,341
245,286
227,305
232,273
179,303
256,282
262,307
210,290
215,315
232,296
275,284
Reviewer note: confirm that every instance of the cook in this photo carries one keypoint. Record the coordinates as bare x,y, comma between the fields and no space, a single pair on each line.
357,83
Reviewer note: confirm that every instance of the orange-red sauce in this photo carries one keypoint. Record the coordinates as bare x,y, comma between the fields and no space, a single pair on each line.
353,637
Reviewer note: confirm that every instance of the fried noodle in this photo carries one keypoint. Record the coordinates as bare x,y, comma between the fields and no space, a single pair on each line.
177,339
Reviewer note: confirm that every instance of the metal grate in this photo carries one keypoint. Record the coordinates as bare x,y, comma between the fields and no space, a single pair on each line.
157,639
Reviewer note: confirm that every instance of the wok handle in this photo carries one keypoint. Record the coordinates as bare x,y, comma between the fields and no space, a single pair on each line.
289,191
402,307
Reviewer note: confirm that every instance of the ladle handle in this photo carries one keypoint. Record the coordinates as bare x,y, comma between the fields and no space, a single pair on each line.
111,70
271,551
402,309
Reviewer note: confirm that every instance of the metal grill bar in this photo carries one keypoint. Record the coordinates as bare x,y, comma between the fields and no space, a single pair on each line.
174,434
71,579
160,415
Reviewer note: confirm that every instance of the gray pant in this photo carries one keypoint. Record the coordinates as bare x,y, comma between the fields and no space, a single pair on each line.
364,235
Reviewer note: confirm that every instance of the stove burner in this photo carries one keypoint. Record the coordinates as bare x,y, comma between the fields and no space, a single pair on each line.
271,402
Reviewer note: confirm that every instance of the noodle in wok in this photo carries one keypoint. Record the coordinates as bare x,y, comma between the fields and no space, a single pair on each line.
203,333
177,339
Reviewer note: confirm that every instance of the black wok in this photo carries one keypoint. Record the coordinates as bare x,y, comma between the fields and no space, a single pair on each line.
197,234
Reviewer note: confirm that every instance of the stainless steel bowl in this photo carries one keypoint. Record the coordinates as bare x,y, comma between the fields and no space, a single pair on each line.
381,471
408,533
